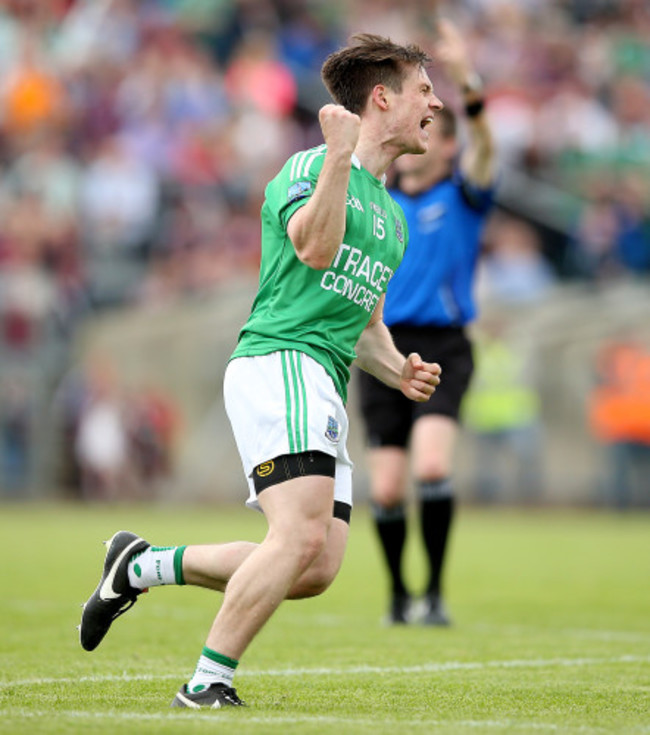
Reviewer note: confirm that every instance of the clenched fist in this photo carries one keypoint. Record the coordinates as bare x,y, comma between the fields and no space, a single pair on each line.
419,379
340,128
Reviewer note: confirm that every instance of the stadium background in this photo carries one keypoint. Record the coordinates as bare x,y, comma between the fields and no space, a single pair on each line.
135,142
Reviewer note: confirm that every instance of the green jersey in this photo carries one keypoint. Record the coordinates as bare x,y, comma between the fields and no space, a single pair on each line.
322,312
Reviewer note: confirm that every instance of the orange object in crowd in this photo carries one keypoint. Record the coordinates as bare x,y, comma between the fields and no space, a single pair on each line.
619,407
33,97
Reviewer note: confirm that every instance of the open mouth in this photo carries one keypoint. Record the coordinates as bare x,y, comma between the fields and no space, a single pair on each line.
426,121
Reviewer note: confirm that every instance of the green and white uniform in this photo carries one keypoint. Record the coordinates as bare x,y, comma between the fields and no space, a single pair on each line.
322,313
307,314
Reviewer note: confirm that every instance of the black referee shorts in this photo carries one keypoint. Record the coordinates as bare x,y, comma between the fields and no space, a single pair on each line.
387,413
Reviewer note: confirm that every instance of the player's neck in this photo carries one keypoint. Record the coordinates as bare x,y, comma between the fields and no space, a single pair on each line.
374,164
373,157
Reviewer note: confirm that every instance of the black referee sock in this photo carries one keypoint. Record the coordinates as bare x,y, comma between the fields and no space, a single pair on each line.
391,529
436,514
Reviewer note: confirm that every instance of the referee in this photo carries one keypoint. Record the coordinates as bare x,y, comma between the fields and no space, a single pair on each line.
446,199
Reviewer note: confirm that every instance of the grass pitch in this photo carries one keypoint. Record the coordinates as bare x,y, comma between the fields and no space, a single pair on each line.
551,633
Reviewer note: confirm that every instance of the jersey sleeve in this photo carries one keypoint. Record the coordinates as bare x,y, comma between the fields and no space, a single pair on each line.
295,184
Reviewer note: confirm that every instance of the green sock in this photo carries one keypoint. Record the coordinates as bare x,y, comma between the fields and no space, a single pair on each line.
212,667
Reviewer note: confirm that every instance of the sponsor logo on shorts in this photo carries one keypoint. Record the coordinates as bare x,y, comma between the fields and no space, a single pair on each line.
265,469
332,430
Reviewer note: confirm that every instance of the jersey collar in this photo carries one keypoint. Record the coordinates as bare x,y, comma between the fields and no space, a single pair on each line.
357,164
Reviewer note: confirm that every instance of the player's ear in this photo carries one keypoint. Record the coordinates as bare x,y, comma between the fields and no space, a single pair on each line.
380,96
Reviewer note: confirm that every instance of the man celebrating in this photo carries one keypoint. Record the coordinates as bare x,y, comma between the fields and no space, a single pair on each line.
331,238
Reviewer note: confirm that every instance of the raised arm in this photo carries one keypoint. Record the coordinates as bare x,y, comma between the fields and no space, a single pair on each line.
316,230
478,158
377,355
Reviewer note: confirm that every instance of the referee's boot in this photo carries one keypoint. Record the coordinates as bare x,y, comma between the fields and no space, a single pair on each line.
399,612
434,611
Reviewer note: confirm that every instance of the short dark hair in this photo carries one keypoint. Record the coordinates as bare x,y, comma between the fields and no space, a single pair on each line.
351,73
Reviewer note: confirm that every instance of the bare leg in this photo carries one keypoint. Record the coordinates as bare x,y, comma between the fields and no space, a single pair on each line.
323,570
299,513
212,565
432,447
388,475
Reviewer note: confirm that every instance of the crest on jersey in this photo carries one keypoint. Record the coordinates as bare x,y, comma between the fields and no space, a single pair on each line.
298,190
399,231
332,430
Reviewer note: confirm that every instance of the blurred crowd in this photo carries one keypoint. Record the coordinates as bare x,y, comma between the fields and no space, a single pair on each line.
136,138
116,442
618,413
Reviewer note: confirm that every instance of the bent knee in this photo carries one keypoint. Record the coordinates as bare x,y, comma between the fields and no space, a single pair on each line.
309,542
323,570
313,583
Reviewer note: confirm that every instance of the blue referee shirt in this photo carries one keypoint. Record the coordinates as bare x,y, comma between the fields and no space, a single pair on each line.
434,282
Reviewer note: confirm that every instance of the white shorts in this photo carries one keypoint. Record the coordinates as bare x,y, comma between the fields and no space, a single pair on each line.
286,403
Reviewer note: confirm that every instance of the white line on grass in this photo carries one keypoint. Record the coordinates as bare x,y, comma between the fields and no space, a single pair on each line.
510,725
352,670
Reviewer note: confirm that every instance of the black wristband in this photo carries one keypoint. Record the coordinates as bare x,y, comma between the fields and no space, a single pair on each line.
473,109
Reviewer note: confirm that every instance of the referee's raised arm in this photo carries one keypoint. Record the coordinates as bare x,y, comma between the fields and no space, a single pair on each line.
478,158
